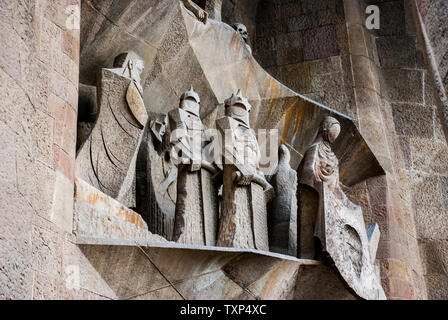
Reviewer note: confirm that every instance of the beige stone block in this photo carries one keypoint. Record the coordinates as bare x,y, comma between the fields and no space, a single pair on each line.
43,137
394,268
186,264
362,72
367,101
79,274
55,11
373,133
71,45
64,89
279,283
35,181
437,286
123,272
168,293
63,163
10,53
62,210
47,251
325,66
69,69
16,111
353,12
356,39
15,244
8,155
428,156
50,42
212,286
45,287
36,82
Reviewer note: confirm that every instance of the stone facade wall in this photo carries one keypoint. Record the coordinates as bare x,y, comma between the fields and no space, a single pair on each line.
434,13
39,93
318,48
381,79
400,98
303,44
430,157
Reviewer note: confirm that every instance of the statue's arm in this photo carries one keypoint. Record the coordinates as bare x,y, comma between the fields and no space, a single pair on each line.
198,12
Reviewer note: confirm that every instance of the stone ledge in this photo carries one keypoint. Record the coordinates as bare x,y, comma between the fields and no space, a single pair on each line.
101,220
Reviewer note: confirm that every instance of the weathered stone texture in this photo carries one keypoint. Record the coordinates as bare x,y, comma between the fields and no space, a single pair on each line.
33,67
319,48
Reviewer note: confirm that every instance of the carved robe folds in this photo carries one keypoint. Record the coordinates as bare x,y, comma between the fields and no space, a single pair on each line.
243,220
196,215
327,214
283,216
156,176
107,158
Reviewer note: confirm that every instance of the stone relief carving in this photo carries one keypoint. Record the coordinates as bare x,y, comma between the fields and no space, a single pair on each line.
156,178
185,197
213,7
329,222
107,159
242,30
283,215
131,66
162,165
200,13
196,215
243,219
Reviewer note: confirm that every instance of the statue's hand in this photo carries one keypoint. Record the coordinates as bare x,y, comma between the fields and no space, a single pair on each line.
201,15
242,179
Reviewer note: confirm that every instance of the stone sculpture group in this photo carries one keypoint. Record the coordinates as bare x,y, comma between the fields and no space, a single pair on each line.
199,188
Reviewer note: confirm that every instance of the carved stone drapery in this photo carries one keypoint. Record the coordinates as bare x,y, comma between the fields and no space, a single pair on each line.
155,179
196,215
109,153
243,220
329,220
283,215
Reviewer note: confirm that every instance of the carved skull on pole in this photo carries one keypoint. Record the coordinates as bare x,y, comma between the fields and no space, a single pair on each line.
242,31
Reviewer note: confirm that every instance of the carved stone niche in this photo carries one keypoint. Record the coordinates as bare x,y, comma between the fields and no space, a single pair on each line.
331,227
107,159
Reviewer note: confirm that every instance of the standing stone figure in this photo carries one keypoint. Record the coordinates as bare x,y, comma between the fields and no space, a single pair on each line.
283,216
196,216
329,222
155,179
243,220
107,158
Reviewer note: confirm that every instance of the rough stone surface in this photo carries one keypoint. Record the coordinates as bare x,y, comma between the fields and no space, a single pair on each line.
379,78
283,214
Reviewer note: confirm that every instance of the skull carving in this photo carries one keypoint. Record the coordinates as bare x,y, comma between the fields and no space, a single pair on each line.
242,30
